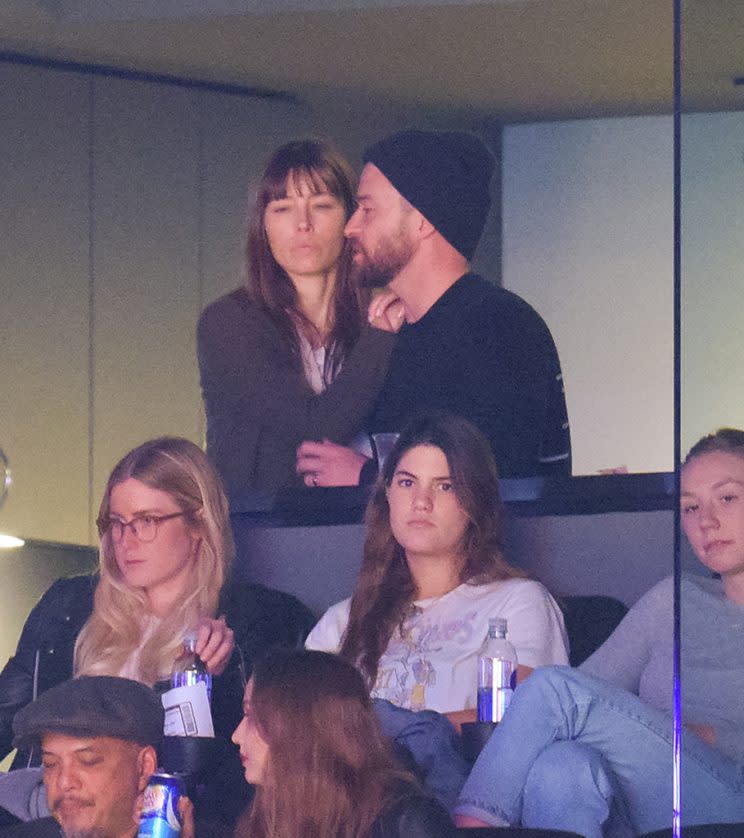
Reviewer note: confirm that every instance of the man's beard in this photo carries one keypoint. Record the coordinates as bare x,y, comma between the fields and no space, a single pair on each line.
390,257
74,831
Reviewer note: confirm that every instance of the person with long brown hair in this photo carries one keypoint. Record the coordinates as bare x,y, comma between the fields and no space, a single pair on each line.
433,573
289,355
164,571
310,742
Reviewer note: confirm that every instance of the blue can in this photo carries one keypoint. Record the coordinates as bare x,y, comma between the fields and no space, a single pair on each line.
160,813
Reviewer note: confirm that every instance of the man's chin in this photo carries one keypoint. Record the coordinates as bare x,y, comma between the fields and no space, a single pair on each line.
81,831
75,820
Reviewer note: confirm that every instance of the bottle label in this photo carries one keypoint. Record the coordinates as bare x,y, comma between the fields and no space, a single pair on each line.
497,686
187,711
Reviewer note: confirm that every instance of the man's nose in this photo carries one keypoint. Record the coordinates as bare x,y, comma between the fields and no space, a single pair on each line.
352,225
66,778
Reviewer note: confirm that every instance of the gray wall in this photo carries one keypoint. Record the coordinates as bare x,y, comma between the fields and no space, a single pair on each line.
621,554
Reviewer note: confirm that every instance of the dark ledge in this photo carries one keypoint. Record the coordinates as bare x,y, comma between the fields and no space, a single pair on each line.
525,497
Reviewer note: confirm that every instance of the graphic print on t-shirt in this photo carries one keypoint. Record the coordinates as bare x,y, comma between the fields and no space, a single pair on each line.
420,653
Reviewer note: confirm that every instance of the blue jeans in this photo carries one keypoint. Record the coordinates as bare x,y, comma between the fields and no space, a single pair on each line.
576,753
433,744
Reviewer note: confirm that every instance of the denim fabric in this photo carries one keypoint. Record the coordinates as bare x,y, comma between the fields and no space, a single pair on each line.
616,775
433,744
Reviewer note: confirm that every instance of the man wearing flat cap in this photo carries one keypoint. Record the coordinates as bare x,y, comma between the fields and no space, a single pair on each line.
465,346
98,737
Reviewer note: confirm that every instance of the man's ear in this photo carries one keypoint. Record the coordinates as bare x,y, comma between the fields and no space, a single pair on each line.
147,764
423,227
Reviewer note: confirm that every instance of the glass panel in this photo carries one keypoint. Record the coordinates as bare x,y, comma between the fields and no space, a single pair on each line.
712,396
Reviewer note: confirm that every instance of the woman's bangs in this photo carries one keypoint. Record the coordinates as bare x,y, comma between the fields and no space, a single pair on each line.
318,181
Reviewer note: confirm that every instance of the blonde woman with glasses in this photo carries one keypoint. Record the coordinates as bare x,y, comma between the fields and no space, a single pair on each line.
165,555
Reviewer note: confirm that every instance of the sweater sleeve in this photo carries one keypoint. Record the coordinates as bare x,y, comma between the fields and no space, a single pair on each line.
623,657
514,388
247,373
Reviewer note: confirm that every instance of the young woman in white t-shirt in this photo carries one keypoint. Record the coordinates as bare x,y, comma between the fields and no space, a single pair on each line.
433,573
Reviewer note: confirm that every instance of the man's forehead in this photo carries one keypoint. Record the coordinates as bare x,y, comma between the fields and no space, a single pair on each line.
373,183
56,742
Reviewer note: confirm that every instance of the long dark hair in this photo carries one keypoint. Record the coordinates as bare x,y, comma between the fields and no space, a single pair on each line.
329,771
317,163
385,588
725,440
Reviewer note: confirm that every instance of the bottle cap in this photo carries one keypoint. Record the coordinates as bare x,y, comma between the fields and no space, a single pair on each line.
189,641
497,626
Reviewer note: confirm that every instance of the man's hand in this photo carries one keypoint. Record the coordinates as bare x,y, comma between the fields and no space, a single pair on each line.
327,464
386,311
214,644
186,813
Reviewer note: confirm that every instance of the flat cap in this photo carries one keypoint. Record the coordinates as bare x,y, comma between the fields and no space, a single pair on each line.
90,706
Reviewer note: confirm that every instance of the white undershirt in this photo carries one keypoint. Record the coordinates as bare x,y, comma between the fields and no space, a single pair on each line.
313,362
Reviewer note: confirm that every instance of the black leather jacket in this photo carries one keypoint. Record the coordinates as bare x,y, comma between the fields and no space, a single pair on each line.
261,618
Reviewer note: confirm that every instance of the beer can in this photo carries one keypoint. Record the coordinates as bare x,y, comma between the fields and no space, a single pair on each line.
160,813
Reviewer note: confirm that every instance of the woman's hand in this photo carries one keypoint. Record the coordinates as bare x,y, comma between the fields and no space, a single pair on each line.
461,717
457,718
523,672
214,644
328,464
386,311
186,814
706,732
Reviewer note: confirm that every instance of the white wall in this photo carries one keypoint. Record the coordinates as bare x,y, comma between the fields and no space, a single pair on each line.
587,226
712,273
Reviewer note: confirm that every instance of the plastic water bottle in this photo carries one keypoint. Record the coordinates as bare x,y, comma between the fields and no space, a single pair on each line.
497,673
189,668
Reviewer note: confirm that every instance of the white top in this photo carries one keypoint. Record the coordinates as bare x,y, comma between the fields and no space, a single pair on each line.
313,363
433,662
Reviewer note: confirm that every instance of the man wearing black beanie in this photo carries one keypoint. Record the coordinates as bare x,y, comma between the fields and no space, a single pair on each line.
466,345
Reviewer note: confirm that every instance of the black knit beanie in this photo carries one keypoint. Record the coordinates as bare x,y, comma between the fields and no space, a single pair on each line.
445,175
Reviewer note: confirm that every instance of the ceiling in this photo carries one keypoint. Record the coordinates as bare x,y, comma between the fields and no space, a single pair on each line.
516,59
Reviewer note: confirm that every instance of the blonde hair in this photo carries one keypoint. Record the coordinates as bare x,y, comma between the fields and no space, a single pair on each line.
114,631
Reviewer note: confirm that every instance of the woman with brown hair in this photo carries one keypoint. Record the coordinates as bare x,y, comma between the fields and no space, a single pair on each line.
310,743
289,356
433,573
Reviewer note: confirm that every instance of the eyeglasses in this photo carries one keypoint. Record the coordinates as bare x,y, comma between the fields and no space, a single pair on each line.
144,527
